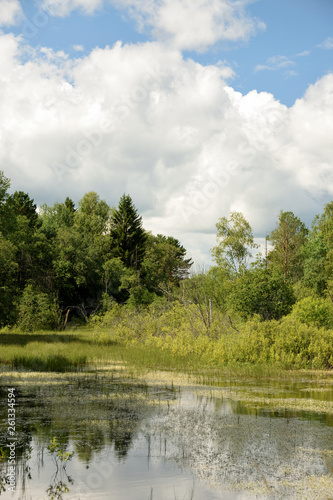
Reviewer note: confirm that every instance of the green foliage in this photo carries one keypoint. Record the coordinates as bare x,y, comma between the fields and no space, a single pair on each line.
258,291
315,311
235,242
58,452
288,239
164,264
21,204
37,311
127,234
315,254
8,277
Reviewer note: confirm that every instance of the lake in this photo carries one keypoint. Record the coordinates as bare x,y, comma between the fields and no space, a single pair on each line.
109,434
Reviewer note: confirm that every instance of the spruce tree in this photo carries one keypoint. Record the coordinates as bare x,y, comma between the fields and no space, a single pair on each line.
127,233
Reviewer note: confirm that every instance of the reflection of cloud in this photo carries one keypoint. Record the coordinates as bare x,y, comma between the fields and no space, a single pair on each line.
186,147
327,44
185,24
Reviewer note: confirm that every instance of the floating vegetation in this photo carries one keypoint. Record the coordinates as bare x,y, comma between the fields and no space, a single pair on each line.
213,434
249,400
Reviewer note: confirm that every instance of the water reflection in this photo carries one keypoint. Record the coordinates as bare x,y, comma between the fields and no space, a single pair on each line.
132,440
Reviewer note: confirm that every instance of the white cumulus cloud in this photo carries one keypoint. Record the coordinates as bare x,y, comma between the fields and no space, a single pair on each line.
193,24
10,12
185,24
186,146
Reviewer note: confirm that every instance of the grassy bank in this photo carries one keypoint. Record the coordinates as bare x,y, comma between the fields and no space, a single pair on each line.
175,340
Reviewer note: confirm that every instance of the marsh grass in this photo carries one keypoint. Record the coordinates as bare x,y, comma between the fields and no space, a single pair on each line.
53,363
91,347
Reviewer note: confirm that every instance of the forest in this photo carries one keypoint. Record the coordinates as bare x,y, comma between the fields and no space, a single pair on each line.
64,266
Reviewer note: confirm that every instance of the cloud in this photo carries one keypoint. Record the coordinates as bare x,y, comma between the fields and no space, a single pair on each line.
304,53
327,44
193,24
185,24
78,48
63,8
10,12
143,120
275,63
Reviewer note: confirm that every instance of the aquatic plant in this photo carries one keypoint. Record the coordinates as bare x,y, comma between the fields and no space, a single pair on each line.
58,452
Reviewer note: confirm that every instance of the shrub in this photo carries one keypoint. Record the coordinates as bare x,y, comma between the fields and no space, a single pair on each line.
314,311
37,311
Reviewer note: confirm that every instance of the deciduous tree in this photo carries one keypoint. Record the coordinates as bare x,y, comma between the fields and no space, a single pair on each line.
235,242
288,239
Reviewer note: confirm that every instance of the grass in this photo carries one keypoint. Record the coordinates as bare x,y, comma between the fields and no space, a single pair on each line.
51,363
66,351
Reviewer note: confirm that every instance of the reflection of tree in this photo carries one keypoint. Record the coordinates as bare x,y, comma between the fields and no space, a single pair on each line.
3,457
124,419
56,490
96,413
60,457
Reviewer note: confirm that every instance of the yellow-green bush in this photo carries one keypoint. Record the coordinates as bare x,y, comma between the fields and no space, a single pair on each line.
181,330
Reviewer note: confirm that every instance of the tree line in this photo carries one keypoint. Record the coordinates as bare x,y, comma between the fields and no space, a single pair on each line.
62,260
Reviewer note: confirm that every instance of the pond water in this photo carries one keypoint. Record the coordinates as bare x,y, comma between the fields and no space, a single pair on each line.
164,438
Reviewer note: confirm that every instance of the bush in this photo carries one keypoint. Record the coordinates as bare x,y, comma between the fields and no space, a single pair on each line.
37,311
314,311
258,291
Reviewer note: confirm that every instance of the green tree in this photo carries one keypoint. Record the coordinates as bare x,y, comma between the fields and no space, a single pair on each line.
235,242
8,280
315,258
165,265
57,216
21,204
4,186
37,311
258,291
92,217
288,240
5,214
116,279
324,225
128,238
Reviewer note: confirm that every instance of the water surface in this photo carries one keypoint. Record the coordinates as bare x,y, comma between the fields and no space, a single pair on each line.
159,438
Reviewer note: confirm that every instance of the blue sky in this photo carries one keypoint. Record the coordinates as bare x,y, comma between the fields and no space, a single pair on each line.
206,107
283,58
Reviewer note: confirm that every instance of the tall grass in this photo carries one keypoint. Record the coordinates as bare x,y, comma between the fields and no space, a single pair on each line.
52,363
175,339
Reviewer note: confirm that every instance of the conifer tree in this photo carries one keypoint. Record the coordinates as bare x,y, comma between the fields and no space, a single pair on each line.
127,233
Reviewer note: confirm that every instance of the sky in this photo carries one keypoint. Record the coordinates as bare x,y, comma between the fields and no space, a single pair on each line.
195,108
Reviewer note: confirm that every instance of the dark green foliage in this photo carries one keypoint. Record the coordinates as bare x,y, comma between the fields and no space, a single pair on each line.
8,279
260,292
128,238
315,255
37,311
164,264
20,204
